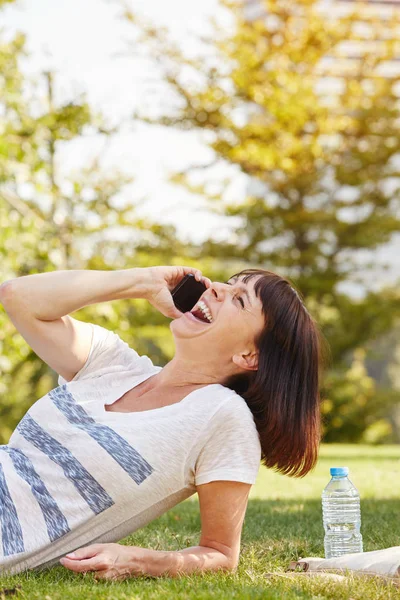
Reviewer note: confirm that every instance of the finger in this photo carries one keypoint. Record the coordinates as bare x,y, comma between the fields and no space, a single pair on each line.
175,313
205,280
80,566
168,307
198,276
196,272
86,552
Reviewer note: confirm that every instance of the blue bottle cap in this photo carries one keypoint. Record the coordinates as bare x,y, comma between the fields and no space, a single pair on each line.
339,471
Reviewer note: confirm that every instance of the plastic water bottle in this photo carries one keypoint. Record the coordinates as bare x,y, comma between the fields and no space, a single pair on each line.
341,515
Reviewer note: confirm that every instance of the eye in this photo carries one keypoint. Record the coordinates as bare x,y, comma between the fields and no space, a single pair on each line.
240,300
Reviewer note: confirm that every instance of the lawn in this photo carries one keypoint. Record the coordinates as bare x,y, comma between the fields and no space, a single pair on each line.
283,523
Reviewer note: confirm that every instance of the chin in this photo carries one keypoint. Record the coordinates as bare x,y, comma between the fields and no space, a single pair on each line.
175,323
182,330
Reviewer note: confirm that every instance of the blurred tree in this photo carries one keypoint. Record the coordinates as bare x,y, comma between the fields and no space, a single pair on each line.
323,179
383,364
51,220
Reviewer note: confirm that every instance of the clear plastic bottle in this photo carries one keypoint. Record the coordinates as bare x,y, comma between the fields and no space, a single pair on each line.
341,515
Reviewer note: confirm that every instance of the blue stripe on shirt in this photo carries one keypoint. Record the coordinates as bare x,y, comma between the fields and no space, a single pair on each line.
90,489
116,446
56,523
11,531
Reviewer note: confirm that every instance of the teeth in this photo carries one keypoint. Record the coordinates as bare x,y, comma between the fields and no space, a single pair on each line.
204,310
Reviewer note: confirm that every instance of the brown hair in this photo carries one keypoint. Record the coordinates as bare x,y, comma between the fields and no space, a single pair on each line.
283,393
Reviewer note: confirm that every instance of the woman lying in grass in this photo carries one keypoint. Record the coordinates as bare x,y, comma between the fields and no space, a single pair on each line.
120,441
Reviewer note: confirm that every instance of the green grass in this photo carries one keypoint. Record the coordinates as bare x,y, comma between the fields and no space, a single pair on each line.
283,523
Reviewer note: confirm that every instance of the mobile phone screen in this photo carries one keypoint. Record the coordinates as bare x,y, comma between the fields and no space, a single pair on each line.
187,293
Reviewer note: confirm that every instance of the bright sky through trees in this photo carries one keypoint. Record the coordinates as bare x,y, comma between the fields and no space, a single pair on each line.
79,41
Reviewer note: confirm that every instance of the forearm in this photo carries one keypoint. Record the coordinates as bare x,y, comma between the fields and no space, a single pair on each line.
182,562
52,295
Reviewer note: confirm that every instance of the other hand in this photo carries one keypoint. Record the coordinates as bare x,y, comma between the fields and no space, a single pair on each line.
109,561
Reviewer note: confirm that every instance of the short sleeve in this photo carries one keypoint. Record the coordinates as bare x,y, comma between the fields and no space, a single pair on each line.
108,352
232,449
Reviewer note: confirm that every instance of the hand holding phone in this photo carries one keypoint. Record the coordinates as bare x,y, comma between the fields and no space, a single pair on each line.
175,290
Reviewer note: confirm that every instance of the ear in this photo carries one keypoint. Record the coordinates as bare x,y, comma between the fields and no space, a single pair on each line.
247,360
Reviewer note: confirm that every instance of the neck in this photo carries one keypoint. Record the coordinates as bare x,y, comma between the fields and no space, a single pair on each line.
179,373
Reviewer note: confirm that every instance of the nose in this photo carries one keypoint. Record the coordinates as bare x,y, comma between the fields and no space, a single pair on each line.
218,290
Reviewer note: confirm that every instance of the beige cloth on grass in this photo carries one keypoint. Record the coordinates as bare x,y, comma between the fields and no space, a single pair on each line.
383,563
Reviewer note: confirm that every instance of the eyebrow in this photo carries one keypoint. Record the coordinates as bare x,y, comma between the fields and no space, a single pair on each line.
242,289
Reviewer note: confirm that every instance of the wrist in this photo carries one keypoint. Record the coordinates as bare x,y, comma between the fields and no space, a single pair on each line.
137,283
149,562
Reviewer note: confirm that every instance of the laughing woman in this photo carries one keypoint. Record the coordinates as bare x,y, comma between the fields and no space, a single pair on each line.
120,440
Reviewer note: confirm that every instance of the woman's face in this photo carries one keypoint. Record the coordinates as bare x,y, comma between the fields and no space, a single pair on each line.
236,321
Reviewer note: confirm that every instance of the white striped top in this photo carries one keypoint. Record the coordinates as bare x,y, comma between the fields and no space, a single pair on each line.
74,474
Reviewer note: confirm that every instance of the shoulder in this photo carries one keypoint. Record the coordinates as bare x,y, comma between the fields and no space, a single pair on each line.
235,410
233,421
110,355
108,347
230,447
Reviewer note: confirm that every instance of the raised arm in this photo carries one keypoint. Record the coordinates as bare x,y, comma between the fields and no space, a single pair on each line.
38,306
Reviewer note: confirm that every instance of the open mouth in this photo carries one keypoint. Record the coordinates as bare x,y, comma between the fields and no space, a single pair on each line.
197,314
202,313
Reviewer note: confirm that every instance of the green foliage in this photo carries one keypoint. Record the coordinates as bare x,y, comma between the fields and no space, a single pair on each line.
323,180
307,162
49,221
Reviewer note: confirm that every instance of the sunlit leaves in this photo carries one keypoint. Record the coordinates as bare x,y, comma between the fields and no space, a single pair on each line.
316,134
50,220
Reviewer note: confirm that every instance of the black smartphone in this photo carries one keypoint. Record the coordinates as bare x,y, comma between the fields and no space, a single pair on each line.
187,292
